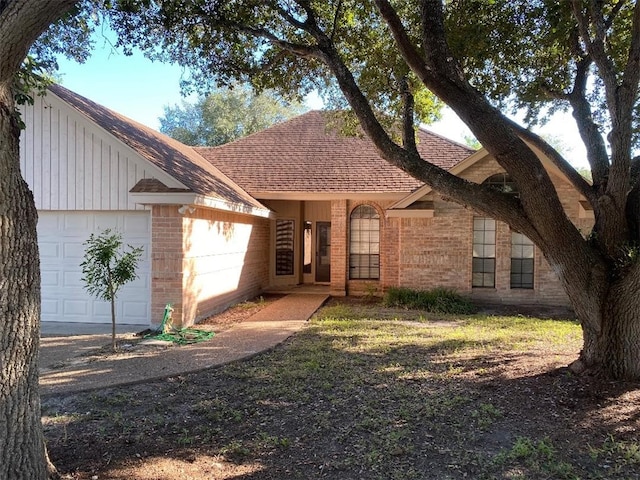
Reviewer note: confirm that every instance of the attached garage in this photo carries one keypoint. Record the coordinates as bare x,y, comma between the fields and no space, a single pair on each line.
60,237
91,169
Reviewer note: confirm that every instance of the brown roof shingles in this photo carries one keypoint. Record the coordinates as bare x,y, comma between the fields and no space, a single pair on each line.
299,155
174,158
303,155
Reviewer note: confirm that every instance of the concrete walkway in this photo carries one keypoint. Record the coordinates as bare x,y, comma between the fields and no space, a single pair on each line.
64,367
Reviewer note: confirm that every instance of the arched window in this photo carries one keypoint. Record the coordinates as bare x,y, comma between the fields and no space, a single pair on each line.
364,244
503,183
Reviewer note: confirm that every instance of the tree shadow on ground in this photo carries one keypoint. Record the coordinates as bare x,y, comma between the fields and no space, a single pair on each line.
331,405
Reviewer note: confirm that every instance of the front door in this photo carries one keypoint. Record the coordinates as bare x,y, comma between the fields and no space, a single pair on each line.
323,252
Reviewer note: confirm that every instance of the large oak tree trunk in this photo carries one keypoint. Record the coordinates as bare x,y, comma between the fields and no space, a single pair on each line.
614,350
22,449
22,453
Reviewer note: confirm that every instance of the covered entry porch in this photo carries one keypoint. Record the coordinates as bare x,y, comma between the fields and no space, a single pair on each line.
301,244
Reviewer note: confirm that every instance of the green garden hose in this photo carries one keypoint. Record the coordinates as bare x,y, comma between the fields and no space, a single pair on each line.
182,336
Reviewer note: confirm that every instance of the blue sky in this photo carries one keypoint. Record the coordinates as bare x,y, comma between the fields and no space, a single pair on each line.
140,89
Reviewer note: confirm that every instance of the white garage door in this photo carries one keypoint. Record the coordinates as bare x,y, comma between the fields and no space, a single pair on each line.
61,236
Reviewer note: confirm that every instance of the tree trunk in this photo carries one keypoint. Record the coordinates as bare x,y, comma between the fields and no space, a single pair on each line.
614,351
22,451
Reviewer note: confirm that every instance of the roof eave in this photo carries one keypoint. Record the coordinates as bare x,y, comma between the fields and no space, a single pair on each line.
198,200
455,170
327,196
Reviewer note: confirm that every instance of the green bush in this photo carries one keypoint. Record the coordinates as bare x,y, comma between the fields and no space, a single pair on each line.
438,300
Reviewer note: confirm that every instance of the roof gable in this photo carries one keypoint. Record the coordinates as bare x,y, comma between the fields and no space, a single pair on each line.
479,156
172,157
304,155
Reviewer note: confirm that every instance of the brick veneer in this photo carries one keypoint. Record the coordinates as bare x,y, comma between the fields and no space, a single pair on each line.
339,248
204,261
424,253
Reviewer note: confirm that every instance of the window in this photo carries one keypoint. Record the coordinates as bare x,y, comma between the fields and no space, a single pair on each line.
503,183
484,253
307,248
521,261
284,246
364,246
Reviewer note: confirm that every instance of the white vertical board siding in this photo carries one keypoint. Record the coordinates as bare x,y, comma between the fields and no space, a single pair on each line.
70,163
61,236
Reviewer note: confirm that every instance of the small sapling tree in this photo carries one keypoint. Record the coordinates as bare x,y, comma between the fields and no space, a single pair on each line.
107,267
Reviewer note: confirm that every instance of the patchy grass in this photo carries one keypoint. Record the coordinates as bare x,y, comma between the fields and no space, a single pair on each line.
366,392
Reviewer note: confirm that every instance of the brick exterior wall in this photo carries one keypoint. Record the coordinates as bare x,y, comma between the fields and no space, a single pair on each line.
166,261
436,251
339,247
204,261
425,253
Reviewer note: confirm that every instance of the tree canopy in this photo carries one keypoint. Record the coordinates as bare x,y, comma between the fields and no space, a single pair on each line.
225,115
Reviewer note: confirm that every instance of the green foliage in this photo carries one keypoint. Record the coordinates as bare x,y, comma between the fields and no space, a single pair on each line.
617,452
225,115
71,36
266,43
438,300
106,266
472,142
539,459
31,78
524,53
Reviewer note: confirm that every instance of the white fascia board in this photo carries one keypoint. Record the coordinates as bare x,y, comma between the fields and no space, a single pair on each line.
402,213
186,198
455,170
327,196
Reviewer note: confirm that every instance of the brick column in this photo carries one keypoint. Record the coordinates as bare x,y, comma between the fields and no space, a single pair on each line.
166,262
389,252
339,250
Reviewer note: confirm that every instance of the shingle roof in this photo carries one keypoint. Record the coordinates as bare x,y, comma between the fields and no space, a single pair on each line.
177,160
303,155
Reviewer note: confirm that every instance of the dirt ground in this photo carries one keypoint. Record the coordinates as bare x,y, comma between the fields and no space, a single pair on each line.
294,413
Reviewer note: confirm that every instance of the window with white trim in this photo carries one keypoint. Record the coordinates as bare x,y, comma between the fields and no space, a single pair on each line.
483,270
521,261
364,243
285,231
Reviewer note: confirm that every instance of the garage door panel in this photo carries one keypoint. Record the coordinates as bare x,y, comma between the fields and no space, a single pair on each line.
105,221
72,280
139,284
75,307
73,251
50,223
75,223
134,309
103,309
61,238
50,307
49,251
49,278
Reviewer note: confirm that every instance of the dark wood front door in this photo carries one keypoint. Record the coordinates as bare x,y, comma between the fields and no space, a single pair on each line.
323,252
